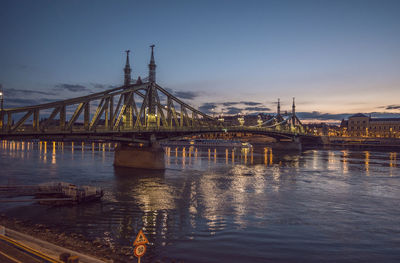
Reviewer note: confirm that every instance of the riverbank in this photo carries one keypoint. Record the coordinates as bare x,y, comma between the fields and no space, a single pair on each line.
97,248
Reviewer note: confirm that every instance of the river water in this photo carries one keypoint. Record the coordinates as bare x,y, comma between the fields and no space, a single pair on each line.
259,206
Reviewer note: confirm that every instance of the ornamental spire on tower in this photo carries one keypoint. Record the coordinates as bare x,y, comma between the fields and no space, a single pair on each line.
293,113
152,66
293,108
279,107
127,70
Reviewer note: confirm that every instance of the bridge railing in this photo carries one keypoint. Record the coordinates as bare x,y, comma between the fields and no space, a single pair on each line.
121,129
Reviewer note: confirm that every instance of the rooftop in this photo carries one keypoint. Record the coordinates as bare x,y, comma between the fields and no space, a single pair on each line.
358,115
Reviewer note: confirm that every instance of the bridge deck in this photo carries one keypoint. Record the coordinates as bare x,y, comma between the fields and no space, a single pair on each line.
143,134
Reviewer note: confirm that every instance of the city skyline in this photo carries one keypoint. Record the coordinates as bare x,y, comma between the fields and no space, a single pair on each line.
336,58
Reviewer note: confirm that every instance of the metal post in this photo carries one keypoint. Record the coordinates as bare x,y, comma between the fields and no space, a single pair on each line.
128,111
111,124
181,120
9,121
36,120
169,117
86,116
62,117
106,117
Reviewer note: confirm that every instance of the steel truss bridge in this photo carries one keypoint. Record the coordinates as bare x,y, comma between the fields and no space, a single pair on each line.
131,113
141,112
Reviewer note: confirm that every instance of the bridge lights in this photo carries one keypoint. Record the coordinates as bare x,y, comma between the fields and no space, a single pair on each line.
241,120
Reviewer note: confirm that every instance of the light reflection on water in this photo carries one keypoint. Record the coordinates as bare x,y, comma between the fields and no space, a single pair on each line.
209,204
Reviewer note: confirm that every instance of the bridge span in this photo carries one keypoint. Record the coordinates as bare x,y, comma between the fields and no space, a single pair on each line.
137,112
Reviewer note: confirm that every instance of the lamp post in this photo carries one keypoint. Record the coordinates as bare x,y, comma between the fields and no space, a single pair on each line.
1,108
1,99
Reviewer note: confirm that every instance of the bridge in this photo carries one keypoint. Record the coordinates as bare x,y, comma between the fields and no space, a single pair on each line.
137,112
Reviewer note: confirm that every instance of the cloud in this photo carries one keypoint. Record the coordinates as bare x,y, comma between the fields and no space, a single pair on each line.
72,88
189,95
322,116
250,103
102,86
229,109
393,107
233,110
207,107
230,103
20,102
257,109
24,92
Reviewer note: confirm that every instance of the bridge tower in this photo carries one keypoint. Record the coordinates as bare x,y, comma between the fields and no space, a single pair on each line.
128,116
152,66
127,70
296,124
278,111
279,117
293,113
152,113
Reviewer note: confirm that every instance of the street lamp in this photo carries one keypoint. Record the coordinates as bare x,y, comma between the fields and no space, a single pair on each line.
1,98
1,107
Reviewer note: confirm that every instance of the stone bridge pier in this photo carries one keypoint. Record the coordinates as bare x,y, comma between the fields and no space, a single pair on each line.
150,156
288,144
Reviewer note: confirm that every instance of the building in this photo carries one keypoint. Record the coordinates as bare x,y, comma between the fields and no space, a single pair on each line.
362,125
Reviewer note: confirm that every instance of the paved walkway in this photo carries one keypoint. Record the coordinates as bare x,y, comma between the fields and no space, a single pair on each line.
15,252
16,247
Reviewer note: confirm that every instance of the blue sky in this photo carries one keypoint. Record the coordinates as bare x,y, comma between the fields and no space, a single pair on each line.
335,57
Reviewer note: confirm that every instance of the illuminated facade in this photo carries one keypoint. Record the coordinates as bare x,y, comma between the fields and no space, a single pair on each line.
362,125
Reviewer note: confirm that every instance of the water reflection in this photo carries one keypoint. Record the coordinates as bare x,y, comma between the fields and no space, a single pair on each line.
53,154
143,191
208,198
345,167
247,156
393,159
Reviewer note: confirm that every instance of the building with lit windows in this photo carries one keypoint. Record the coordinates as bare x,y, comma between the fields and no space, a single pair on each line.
362,125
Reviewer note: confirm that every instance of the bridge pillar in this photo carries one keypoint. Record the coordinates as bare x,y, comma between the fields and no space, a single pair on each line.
149,157
289,145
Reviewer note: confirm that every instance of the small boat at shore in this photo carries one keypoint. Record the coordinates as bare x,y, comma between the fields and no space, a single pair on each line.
65,193
52,193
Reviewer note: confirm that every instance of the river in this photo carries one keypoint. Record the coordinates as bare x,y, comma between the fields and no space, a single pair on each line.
219,205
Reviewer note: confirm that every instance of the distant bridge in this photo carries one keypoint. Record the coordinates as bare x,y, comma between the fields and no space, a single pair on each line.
134,112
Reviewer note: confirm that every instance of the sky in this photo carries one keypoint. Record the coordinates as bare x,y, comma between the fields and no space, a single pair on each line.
335,57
